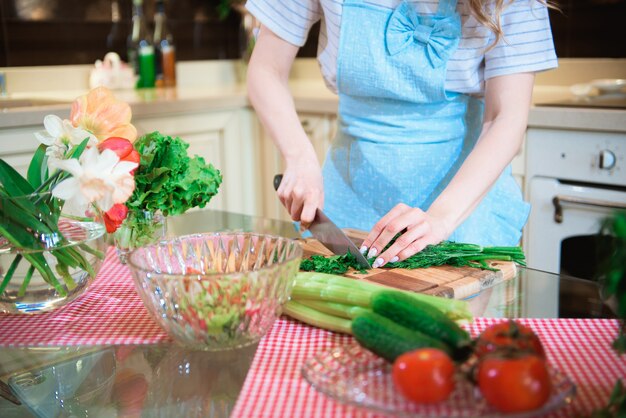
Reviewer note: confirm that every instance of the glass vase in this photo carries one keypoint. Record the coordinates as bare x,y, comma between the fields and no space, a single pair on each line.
137,230
50,252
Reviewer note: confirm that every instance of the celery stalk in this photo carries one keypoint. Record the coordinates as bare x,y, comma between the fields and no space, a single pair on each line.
454,309
330,293
337,309
317,319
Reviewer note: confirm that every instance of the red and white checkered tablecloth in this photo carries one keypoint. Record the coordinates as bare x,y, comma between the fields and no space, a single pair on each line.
110,312
274,387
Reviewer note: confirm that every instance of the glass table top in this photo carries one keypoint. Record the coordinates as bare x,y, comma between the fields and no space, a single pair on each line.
165,380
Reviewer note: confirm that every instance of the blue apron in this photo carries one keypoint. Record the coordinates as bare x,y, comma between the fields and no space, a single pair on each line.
401,135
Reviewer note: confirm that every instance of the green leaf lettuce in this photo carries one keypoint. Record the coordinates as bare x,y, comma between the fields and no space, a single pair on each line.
168,179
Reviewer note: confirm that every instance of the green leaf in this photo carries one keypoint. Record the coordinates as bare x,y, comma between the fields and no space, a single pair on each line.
8,275
77,151
13,182
37,169
617,392
40,263
26,282
25,213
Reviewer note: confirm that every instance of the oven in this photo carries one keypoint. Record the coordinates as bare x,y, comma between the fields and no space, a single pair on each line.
574,180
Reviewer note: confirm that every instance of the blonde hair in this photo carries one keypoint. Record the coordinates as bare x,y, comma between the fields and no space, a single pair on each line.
491,19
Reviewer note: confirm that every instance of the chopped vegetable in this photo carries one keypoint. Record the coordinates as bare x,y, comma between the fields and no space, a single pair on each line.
336,264
447,252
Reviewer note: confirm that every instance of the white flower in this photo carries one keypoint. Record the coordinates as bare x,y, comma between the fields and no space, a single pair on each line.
99,178
60,136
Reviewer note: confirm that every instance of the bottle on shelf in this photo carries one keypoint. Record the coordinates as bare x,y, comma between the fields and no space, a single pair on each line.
116,39
141,48
164,48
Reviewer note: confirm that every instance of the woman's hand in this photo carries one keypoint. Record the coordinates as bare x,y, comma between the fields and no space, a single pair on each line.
301,191
417,228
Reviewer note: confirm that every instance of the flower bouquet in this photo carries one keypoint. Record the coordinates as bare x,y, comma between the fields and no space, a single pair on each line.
51,230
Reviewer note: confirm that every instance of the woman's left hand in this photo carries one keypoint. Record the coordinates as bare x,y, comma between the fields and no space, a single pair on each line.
418,229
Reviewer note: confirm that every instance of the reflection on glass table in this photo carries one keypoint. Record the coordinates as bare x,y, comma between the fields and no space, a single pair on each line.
165,380
124,381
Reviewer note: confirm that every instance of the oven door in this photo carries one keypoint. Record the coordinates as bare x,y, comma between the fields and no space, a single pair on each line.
561,237
564,219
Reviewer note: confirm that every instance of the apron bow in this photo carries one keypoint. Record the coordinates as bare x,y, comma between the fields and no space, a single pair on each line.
404,28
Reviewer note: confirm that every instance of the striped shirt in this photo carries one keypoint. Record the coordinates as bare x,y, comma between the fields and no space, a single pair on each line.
527,45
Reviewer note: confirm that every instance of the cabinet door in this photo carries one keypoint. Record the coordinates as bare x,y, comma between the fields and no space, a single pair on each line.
17,146
224,139
320,128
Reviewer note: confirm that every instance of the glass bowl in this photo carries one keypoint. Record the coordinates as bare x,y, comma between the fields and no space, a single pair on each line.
216,291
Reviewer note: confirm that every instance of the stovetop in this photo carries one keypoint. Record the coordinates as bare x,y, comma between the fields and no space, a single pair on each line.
608,101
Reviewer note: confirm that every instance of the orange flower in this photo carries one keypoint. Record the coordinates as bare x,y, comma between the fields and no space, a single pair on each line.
100,113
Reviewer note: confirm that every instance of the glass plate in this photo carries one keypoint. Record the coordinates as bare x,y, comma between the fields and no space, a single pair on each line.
354,375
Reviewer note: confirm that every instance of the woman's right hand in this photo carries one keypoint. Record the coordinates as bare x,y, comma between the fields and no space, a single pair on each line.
301,190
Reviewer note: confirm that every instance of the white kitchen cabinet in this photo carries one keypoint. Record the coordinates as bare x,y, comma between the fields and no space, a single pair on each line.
227,140
320,128
17,146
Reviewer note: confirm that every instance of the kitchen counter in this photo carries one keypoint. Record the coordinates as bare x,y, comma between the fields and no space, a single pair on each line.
310,96
143,102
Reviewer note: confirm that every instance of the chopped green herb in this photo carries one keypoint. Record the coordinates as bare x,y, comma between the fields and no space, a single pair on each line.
336,264
447,252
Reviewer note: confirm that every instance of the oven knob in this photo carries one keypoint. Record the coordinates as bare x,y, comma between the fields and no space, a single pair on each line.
607,159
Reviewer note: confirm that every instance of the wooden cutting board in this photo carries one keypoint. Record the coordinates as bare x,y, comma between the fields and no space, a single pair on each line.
445,281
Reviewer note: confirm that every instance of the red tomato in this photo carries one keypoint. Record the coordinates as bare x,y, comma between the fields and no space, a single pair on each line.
508,335
514,384
425,375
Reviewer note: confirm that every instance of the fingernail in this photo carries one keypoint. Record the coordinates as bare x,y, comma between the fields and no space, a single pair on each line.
372,253
363,250
378,262
394,259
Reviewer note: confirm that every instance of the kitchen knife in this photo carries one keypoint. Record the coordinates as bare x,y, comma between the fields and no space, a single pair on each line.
326,232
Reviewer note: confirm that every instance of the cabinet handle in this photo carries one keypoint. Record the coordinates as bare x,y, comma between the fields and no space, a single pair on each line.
559,199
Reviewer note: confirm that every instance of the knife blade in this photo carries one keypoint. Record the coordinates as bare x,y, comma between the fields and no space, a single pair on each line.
329,234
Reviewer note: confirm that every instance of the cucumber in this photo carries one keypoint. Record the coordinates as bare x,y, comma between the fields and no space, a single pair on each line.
408,312
388,339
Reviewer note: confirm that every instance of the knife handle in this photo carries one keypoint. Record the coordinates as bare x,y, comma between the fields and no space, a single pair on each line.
277,179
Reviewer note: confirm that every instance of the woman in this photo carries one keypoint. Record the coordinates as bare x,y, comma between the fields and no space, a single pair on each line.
433,106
